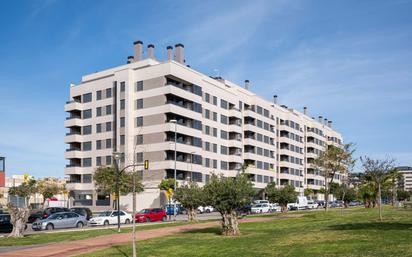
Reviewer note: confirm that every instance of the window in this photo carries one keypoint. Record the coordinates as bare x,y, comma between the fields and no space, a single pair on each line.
223,104
87,178
207,114
197,107
197,90
99,144
197,177
87,146
207,130
139,157
87,130
98,127
139,104
223,165
215,148
108,143
98,161
99,95
207,97
139,86
108,160
122,139
207,146
122,104
108,126
87,114
98,111
87,98
122,122
139,139
215,164
223,119
139,121
259,110
108,92
207,162
215,132
86,162
108,109
223,149
223,134
122,86
214,116
215,100
259,178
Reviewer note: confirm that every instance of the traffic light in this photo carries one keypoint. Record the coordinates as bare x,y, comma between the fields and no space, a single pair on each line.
146,164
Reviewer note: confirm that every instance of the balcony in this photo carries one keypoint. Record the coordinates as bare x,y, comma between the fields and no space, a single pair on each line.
72,105
73,121
72,138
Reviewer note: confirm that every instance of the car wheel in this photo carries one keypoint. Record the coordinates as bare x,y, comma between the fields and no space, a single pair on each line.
106,223
147,219
164,218
127,221
49,227
79,225
207,211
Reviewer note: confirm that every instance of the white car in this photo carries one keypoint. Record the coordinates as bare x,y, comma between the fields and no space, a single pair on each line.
274,207
312,204
260,208
207,209
110,217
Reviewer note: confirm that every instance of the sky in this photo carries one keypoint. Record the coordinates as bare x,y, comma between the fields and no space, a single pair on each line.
349,61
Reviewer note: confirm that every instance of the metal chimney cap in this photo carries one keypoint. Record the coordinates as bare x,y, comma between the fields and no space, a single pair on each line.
247,81
320,117
181,45
137,42
150,46
130,57
304,107
169,47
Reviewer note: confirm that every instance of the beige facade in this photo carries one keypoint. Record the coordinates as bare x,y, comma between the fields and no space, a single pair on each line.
407,177
220,126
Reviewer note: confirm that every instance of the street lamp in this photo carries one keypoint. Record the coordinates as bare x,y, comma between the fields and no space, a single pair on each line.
117,156
174,187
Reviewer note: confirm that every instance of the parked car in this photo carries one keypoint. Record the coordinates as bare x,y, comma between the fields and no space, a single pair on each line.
207,209
260,208
260,201
5,225
245,210
49,211
151,214
301,204
274,207
355,203
179,209
312,204
38,215
60,220
110,217
82,211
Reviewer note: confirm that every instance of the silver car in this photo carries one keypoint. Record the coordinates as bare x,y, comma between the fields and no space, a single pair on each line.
60,220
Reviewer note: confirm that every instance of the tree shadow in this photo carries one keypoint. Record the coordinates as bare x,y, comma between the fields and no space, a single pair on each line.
216,231
121,252
372,226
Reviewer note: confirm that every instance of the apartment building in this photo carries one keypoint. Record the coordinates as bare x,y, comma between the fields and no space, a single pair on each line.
137,109
406,172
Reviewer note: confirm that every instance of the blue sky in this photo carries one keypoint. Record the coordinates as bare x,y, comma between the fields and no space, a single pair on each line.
349,61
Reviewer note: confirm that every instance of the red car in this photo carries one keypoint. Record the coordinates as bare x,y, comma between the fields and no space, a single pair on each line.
151,214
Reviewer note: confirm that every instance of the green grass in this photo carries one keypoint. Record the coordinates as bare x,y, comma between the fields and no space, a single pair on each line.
353,232
44,238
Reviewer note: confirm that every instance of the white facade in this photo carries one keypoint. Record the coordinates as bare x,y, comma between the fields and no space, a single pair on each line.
220,126
407,177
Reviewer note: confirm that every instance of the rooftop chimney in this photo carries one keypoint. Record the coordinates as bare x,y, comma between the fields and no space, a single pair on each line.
247,84
320,119
305,110
275,99
150,51
169,53
138,50
325,121
130,59
180,53
330,124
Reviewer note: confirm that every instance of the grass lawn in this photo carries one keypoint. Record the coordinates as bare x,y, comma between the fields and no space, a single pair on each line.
44,238
353,232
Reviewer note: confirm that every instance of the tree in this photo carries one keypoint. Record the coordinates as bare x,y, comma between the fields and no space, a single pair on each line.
377,172
334,160
283,196
343,193
392,183
367,193
190,196
105,181
308,192
226,194
403,195
49,187
167,184
19,215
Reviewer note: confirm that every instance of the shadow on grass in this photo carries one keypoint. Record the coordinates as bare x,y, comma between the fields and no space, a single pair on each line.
372,226
215,230
118,249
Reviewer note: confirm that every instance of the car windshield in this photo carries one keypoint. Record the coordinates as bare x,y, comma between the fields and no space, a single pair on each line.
105,214
144,211
257,206
54,216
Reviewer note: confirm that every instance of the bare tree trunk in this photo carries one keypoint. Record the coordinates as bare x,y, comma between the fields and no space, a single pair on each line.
18,219
191,215
230,224
380,201
284,208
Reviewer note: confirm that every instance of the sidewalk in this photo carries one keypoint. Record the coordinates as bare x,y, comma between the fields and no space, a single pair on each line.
77,247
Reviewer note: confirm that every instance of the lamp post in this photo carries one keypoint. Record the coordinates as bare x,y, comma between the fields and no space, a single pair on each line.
174,187
116,157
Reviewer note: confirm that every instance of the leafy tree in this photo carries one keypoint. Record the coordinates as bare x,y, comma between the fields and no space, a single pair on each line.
49,187
332,161
343,193
367,193
403,195
308,192
377,172
167,184
283,196
105,181
190,196
19,215
226,194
